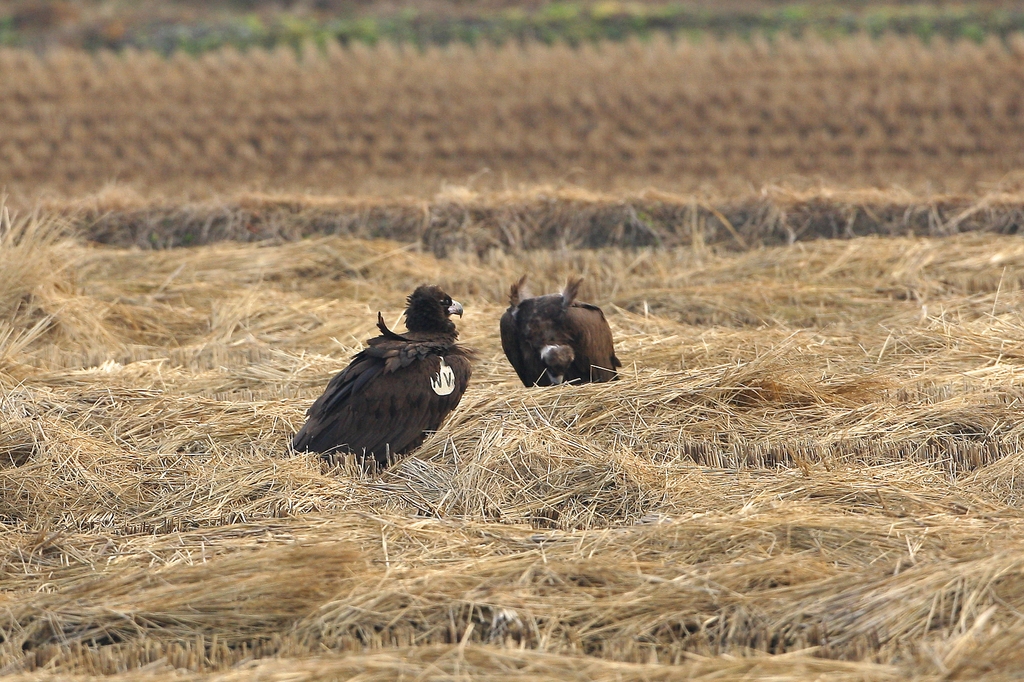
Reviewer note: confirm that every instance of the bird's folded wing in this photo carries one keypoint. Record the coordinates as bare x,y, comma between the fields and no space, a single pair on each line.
348,382
512,345
371,406
595,345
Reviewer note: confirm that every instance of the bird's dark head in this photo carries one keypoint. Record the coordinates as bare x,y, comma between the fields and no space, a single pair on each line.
429,309
557,359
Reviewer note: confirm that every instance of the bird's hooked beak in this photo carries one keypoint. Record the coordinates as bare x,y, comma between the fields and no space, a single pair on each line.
455,309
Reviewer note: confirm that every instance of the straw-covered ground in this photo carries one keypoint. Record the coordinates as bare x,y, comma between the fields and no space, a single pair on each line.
808,470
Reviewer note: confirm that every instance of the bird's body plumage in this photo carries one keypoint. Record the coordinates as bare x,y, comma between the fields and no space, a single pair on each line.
555,339
393,392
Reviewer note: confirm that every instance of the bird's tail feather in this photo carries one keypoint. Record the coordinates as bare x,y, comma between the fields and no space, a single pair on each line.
517,292
383,327
572,288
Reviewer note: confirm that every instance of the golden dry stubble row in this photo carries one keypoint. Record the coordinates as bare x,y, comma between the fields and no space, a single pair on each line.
679,114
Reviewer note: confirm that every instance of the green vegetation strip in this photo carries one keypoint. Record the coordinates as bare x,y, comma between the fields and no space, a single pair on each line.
568,22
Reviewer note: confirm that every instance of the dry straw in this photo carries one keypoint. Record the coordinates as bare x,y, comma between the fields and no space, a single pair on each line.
808,468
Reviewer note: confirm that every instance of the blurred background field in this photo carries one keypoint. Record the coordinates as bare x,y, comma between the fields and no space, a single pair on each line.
801,221
712,114
196,25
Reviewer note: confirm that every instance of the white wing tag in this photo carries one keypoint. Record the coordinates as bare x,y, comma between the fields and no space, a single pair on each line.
443,382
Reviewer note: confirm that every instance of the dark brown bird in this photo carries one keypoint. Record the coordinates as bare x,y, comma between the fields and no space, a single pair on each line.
556,339
397,389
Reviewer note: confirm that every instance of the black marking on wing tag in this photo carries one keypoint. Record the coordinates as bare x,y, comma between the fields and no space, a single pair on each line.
443,381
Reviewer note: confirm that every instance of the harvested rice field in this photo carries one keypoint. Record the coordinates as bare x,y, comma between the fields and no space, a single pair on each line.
809,469
711,117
